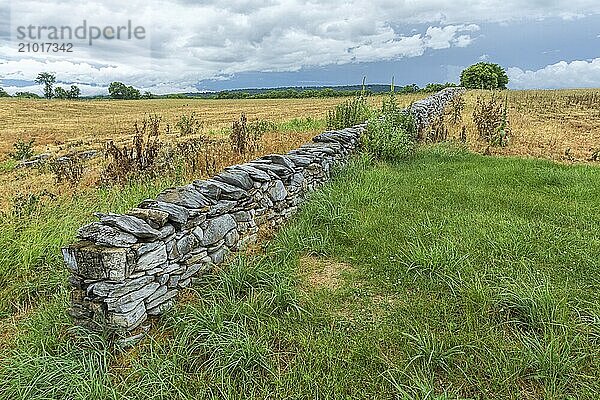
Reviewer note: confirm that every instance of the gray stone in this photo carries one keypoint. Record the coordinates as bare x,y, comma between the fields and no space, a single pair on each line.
184,283
298,179
97,263
196,221
217,229
144,248
220,190
130,320
186,244
241,216
134,225
218,256
196,258
177,214
254,173
231,238
161,308
300,161
199,233
173,281
129,301
155,271
105,235
172,251
279,160
162,289
278,192
174,269
166,231
169,294
185,196
278,170
156,218
105,289
237,178
222,207
163,279
135,275
209,190
216,246
193,270
153,259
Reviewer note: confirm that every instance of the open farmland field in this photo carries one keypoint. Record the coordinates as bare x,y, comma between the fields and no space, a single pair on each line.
63,126
561,125
60,128
453,275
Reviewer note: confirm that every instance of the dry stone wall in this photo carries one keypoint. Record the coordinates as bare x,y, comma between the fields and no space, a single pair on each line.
131,266
127,267
426,110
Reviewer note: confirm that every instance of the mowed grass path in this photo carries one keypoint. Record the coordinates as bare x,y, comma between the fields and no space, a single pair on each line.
452,275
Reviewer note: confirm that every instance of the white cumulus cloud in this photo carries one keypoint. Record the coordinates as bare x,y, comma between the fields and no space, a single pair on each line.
574,74
189,41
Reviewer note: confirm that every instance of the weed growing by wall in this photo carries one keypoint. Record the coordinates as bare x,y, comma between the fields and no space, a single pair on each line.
391,133
491,120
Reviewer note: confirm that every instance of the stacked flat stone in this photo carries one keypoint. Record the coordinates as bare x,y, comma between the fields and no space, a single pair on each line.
426,110
127,267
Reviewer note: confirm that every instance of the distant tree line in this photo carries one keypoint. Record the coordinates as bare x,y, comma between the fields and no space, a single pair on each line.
478,76
50,92
290,93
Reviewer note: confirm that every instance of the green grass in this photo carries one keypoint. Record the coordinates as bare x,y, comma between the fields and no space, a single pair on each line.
7,165
301,124
463,277
37,226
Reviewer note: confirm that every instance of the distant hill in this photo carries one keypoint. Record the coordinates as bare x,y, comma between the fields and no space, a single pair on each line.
344,88
295,92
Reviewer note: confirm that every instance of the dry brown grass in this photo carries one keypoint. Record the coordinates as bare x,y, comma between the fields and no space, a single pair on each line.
321,272
560,125
60,127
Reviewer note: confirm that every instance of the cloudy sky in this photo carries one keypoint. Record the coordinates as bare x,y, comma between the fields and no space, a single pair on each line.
202,45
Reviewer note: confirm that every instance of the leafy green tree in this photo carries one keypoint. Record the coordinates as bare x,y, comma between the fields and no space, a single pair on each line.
119,90
484,76
27,95
47,79
61,93
74,92
3,93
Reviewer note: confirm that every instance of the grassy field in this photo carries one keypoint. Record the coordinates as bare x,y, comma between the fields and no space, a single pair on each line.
452,275
544,123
